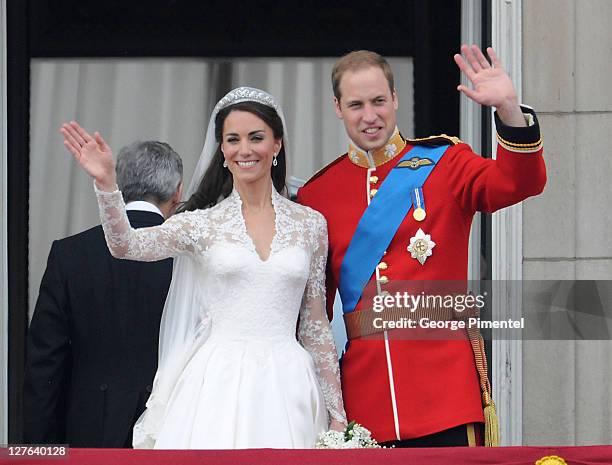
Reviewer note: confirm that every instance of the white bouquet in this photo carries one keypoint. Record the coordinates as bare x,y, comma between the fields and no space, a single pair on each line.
354,436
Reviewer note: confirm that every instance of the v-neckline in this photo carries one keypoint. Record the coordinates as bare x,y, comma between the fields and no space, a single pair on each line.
245,230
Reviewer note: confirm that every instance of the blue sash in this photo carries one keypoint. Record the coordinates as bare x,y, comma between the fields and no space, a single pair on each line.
381,219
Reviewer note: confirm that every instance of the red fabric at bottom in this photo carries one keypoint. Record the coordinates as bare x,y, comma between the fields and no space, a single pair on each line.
442,456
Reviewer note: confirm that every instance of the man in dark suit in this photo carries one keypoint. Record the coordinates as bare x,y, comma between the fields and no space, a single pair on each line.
92,343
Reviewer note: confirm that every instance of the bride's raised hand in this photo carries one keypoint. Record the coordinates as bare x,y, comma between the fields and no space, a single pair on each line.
92,153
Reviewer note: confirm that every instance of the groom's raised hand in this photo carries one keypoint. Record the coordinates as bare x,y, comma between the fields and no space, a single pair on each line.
491,84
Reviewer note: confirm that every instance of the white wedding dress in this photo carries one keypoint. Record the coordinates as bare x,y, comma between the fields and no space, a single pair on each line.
249,382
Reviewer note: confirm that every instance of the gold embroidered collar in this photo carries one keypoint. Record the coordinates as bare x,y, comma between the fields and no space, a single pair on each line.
380,156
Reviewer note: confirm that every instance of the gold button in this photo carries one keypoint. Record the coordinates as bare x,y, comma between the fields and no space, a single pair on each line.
383,280
382,266
373,192
373,179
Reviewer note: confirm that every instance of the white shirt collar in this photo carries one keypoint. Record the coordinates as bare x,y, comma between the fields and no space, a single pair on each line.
143,206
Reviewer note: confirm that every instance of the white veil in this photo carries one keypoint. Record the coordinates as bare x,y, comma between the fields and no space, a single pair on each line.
184,324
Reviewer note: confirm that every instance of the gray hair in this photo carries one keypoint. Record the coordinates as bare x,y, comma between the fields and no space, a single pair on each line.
148,170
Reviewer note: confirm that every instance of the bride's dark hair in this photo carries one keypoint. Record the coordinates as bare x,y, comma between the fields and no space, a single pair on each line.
217,182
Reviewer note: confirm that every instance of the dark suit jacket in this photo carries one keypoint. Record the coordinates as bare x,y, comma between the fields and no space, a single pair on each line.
92,343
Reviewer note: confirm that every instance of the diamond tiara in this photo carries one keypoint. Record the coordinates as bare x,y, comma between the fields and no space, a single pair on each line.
246,94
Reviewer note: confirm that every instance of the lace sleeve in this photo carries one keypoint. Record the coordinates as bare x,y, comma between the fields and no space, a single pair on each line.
179,235
314,331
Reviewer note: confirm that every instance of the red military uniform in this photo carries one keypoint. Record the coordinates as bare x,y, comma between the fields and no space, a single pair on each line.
402,389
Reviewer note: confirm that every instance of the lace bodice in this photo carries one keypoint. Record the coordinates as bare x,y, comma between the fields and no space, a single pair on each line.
246,297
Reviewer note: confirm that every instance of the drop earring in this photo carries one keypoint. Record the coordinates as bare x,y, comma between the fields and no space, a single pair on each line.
274,161
224,163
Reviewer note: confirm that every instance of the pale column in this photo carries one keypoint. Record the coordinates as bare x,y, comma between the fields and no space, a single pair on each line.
469,120
507,246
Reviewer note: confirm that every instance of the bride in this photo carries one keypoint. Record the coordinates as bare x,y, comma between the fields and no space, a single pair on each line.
249,277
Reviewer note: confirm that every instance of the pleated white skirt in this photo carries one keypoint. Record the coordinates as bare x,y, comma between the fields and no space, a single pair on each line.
236,394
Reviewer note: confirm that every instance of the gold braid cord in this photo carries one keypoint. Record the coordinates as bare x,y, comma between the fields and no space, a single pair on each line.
491,438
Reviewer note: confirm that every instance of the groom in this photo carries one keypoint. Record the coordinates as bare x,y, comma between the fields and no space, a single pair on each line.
398,210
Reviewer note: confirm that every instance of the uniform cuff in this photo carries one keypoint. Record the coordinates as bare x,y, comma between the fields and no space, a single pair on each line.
520,139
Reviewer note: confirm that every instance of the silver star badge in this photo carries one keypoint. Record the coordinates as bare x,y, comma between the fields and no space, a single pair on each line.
420,246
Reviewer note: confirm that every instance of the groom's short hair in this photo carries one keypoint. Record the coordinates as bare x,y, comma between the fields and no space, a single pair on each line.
149,170
357,60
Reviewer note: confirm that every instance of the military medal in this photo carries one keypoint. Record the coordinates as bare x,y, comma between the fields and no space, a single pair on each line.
420,246
418,213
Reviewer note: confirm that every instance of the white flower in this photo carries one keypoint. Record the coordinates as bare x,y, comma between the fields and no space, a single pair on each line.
354,437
